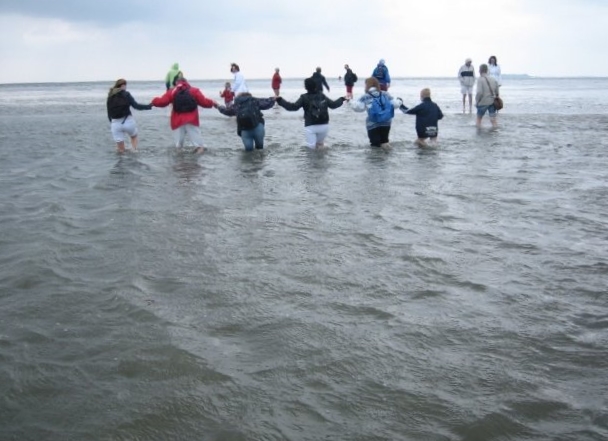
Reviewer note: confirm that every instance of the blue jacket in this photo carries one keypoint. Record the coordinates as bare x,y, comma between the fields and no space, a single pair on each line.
381,74
364,104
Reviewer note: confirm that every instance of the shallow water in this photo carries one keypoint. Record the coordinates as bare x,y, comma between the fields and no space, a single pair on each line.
455,293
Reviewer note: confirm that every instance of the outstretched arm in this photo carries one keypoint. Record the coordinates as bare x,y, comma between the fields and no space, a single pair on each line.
136,105
290,106
266,103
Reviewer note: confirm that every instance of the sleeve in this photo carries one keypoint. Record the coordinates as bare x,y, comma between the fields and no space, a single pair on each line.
387,76
413,110
136,105
291,106
201,99
439,113
479,91
228,111
334,104
360,105
164,100
325,83
265,103
460,75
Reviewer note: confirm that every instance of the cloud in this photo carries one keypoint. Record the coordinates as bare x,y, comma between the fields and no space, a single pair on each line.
67,40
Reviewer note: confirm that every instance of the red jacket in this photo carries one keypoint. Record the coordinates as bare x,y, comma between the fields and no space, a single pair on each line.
276,81
181,119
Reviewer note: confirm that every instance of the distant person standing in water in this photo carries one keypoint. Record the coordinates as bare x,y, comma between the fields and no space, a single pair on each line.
227,94
239,85
466,76
319,80
350,78
119,105
487,90
381,74
494,70
172,75
276,82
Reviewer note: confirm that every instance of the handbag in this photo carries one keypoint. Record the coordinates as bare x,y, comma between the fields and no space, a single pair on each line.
498,104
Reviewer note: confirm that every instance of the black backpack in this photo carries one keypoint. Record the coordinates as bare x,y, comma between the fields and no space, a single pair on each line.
318,108
183,101
118,105
247,115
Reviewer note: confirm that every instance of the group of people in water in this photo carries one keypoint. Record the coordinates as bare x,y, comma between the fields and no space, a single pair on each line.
247,109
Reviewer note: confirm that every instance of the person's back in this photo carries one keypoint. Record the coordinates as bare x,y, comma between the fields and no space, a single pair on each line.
382,75
171,76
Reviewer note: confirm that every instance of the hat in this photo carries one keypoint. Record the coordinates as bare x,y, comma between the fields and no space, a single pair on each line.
468,60
381,61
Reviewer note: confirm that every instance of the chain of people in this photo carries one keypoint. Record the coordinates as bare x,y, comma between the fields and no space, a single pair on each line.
376,101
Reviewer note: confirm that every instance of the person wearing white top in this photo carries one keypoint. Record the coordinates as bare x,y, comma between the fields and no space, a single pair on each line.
239,85
494,70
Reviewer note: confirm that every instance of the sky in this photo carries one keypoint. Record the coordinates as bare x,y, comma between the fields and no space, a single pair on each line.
90,40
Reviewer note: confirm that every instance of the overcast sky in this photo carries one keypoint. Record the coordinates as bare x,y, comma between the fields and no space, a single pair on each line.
91,40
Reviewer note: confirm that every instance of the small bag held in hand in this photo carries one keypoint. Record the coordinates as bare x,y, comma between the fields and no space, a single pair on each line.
498,103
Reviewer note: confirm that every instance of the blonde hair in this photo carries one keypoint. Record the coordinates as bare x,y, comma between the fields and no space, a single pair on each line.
425,93
371,82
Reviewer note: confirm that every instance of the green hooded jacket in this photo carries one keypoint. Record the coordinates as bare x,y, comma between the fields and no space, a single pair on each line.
171,75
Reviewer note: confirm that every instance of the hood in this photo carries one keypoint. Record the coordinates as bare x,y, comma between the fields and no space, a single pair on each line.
242,97
175,66
115,91
374,92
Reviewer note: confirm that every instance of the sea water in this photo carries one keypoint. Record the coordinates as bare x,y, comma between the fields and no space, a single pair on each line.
453,293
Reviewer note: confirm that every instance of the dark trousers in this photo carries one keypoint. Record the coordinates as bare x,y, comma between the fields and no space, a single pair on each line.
378,135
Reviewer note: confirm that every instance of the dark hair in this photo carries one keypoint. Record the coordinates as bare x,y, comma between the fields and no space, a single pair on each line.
236,66
495,60
310,85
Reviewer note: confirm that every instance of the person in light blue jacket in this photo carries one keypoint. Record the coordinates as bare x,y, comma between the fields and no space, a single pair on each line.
378,125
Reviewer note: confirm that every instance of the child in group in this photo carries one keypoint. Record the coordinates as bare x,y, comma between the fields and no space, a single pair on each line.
227,94
428,115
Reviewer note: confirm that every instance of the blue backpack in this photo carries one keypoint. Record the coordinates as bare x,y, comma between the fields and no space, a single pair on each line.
381,109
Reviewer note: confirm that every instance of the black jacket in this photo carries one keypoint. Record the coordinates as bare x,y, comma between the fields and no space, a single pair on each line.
304,102
350,78
320,80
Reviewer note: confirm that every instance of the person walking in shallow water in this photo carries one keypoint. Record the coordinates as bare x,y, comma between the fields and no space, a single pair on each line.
184,112
487,90
316,117
119,105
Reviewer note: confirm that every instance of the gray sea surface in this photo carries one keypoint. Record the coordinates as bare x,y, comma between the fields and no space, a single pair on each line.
452,293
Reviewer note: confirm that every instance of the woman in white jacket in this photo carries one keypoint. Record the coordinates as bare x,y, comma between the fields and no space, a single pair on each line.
494,70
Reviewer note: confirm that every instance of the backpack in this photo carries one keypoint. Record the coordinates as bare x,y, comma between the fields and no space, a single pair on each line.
118,105
183,101
355,78
318,108
247,115
379,72
381,109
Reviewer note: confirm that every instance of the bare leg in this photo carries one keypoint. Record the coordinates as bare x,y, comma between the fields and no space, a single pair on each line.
470,103
385,146
199,150
464,101
421,142
120,146
478,124
494,122
134,142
